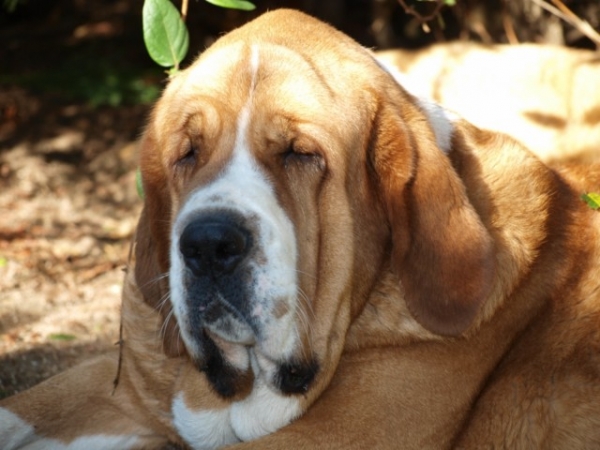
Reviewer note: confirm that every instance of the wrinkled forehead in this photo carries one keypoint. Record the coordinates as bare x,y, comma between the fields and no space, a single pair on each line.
273,77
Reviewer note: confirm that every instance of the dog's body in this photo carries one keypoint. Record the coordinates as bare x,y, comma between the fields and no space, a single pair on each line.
348,267
547,97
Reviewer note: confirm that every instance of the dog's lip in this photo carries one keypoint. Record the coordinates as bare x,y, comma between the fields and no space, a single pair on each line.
222,338
265,362
286,376
222,320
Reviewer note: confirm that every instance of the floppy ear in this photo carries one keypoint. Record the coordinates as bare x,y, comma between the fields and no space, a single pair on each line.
152,244
442,253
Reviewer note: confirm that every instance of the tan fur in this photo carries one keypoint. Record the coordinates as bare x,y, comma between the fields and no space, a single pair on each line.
452,300
547,97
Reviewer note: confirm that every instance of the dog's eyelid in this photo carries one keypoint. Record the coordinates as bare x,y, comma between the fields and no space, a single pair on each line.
302,155
189,153
304,150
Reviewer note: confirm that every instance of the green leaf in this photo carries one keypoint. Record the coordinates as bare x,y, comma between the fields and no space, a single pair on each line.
11,5
138,183
165,33
3,262
592,199
62,337
233,4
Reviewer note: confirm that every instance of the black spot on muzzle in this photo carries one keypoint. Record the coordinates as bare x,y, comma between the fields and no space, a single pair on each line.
296,377
227,381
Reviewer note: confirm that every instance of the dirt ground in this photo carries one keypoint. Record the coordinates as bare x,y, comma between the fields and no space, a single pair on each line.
64,232
67,217
68,202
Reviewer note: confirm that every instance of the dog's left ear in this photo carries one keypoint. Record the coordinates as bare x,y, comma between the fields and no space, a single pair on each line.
442,253
152,242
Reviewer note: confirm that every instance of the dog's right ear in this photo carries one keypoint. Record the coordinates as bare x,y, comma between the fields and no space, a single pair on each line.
443,254
152,243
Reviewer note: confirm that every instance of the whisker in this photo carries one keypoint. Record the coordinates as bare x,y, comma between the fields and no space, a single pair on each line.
304,313
163,328
164,300
314,277
156,279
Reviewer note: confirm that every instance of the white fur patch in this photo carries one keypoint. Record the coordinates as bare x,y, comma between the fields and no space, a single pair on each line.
440,118
14,432
441,121
243,188
205,429
263,412
18,434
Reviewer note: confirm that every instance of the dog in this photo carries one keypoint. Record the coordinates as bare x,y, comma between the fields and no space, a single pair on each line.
545,96
325,260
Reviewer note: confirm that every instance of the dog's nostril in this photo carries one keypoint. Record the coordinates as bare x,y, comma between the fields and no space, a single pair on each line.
213,247
231,247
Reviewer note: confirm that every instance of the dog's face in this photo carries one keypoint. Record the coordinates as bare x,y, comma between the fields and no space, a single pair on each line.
254,168
284,171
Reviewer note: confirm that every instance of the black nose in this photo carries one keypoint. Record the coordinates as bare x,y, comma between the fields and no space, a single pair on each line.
214,245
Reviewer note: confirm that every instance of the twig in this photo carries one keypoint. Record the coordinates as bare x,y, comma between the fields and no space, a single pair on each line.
509,29
580,24
184,9
121,341
423,19
564,13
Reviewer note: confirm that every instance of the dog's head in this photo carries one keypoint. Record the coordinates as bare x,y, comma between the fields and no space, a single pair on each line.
284,171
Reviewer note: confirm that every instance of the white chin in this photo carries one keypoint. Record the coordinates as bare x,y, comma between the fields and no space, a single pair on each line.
263,412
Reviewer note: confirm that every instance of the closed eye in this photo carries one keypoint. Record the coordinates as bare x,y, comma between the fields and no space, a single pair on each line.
189,156
297,155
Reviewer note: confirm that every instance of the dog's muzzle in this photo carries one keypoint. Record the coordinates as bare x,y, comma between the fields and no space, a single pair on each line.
217,249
